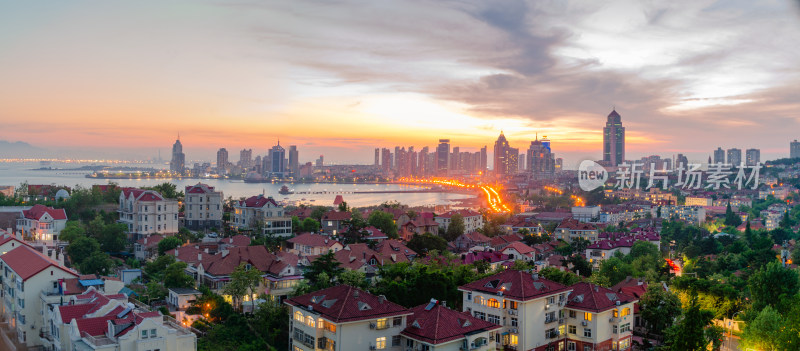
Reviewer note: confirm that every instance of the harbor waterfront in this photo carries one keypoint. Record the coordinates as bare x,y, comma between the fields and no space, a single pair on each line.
360,194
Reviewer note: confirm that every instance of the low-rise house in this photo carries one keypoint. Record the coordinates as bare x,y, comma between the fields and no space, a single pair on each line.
472,220
203,207
345,318
146,212
418,226
312,244
395,250
147,247
333,221
570,229
494,258
690,214
501,241
519,251
598,318
635,287
433,326
518,223
180,299
470,241
374,234
42,223
262,212
586,213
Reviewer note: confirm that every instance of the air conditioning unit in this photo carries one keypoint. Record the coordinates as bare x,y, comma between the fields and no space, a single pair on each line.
584,323
373,326
512,312
561,321
372,347
513,330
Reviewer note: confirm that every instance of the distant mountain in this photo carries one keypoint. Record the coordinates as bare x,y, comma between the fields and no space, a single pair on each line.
19,149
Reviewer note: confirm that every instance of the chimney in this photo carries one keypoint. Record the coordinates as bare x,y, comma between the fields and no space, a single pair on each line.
444,303
199,256
381,298
355,294
205,250
145,240
176,252
535,276
596,288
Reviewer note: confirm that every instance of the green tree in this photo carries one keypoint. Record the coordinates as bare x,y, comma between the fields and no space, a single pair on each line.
310,225
731,218
688,334
615,269
455,228
175,276
659,308
72,230
325,264
773,285
243,282
384,221
317,213
168,243
167,190
762,333
563,277
644,248
422,244
271,322
155,270
82,248
97,263
343,207
354,278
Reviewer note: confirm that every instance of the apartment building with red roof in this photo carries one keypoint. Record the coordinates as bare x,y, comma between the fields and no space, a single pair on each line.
470,241
598,318
517,223
203,207
312,244
526,305
569,229
146,212
42,223
262,211
345,318
147,247
333,222
434,326
519,251
472,220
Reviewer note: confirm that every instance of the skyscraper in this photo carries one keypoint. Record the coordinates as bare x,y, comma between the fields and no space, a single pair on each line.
386,160
277,160
613,140
501,156
294,162
752,157
222,161
442,156
735,157
483,159
377,156
320,161
178,162
794,149
455,158
719,155
246,159
540,159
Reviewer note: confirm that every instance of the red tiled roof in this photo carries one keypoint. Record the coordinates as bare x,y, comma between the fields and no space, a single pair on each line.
519,285
595,298
338,200
152,240
257,201
344,303
337,216
37,211
187,253
463,213
574,224
257,256
199,188
301,212
395,250
491,257
520,247
375,233
476,237
237,240
441,324
70,312
27,262
313,240
142,195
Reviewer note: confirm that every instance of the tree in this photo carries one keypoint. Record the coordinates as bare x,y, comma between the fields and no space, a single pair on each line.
353,278
97,263
731,218
563,277
242,282
168,243
155,270
317,213
113,238
167,190
659,308
325,264
72,230
762,332
384,221
773,285
343,207
175,276
310,225
271,322
82,248
643,248
426,242
455,228
688,334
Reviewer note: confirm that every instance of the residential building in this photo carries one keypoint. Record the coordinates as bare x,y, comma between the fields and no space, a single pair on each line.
794,149
27,278
222,161
203,207
264,212
333,221
586,213
570,229
528,307
719,155
472,220
517,223
147,247
345,318
519,251
146,212
735,157
42,223
753,157
613,140
609,244
443,156
691,214
312,244
178,162
699,201
471,240
180,299
597,318
501,157
433,326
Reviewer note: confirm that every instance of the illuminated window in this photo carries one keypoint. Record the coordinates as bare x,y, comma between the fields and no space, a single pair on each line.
626,311
321,323
514,339
587,316
383,323
616,313
479,300
298,316
493,303
380,343
310,321
513,305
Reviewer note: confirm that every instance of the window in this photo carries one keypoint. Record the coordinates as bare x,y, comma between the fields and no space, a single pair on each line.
480,315
469,296
144,334
572,314
494,319
479,300
310,321
513,340
614,329
572,329
382,323
513,305
625,328
587,316
298,316
380,343
587,348
513,322
396,340
626,311
397,321
570,346
587,332
615,312
493,303
152,333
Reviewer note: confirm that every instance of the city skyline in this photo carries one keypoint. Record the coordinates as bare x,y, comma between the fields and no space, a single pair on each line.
233,76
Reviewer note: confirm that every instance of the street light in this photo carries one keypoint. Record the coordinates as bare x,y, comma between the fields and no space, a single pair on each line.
730,329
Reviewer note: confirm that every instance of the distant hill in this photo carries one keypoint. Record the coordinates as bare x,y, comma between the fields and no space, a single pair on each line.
19,149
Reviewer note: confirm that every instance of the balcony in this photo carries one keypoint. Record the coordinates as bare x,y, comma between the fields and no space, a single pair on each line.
549,320
97,341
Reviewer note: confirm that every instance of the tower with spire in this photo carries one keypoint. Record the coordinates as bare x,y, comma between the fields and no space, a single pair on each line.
501,156
178,162
613,140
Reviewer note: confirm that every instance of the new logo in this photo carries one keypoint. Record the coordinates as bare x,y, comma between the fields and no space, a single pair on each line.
591,175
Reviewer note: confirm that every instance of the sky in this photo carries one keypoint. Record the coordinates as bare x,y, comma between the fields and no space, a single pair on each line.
340,78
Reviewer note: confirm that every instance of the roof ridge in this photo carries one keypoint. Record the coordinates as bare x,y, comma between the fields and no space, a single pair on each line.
344,302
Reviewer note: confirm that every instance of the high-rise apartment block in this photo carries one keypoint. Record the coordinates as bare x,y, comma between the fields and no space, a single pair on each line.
178,162
613,140
719,155
735,156
794,149
222,161
752,157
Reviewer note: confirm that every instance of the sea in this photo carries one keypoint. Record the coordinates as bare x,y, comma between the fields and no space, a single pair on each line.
322,194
